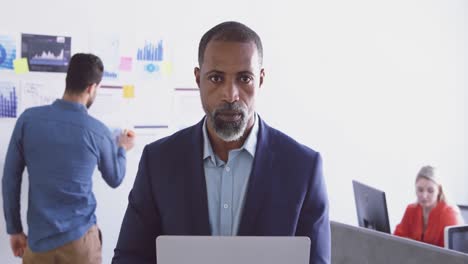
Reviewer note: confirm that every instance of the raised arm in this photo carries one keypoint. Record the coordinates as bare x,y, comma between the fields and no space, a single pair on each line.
112,157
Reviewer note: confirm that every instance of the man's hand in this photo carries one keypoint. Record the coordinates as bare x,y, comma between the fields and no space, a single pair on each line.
127,139
18,243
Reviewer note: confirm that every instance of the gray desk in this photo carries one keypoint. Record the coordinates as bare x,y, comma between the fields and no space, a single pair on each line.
356,245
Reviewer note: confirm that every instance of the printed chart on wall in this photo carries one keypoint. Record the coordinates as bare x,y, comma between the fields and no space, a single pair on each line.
147,134
8,100
110,107
46,53
7,52
106,47
152,59
37,94
187,107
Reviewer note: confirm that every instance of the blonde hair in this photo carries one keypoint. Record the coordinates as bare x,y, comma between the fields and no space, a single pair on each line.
428,173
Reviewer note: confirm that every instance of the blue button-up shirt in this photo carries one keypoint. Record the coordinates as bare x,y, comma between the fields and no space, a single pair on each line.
226,183
60,145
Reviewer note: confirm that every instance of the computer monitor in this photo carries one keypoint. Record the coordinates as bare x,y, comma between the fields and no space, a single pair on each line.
464,212
371,207
456,238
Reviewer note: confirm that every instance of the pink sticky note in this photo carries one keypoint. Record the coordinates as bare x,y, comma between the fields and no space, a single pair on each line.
125,64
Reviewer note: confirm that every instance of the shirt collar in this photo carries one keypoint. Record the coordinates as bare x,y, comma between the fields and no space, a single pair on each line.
249,145
68,105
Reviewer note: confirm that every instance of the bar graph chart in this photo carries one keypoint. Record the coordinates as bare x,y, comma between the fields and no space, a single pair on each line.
151,52
8,100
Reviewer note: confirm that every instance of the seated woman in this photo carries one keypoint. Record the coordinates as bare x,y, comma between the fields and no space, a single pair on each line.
425,220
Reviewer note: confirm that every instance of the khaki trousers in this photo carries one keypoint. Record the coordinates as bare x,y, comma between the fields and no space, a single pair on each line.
85,250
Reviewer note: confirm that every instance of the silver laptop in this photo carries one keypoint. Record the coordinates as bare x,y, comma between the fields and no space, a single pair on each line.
232,250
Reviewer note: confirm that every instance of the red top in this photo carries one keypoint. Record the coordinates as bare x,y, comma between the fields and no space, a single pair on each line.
442,215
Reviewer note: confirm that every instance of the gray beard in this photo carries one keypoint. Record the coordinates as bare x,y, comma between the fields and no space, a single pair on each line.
226,130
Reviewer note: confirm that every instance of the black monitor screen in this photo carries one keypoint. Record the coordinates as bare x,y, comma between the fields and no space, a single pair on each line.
458,238
371,207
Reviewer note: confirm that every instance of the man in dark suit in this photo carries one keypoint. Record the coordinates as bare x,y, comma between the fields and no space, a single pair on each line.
230,174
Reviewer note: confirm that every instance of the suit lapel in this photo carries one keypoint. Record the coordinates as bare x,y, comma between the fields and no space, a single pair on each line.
195,184
259,180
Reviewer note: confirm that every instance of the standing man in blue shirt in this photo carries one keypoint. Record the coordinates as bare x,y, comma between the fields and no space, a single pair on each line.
60,145
230,174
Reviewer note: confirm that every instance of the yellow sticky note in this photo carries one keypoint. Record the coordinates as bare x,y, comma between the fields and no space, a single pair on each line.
128,91
166,68
21,65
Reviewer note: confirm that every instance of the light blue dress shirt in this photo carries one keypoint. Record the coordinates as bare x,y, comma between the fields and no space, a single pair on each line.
226,182
60,145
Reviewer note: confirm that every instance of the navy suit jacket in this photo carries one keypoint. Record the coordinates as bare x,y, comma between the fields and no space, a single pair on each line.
286,195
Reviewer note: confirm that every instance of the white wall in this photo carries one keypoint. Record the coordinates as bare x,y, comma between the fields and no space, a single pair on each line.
379,88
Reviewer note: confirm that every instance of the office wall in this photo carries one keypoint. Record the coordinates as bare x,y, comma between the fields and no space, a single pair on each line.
379,88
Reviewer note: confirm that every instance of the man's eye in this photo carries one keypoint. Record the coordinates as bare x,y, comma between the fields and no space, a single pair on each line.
245,79
215,78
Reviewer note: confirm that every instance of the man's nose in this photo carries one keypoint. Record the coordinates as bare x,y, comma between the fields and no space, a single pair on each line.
231,92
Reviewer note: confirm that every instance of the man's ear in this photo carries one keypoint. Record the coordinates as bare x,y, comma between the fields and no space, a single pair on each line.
91,88
262,76
196,72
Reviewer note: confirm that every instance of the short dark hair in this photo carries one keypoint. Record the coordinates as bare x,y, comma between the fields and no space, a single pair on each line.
83,70
230,31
